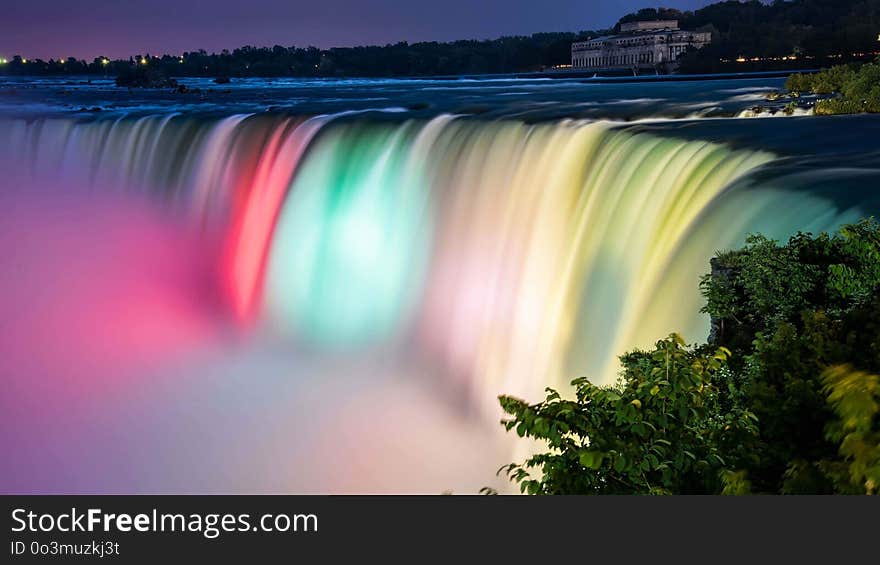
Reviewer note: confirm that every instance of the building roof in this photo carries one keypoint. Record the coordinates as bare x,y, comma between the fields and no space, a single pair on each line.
633,35
647,25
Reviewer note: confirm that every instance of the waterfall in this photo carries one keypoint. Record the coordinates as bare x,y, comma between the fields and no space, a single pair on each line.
508,256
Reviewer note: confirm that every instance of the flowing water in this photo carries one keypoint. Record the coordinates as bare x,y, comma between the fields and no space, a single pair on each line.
282,301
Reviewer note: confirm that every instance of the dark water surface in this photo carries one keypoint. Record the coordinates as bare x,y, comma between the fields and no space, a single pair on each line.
520,98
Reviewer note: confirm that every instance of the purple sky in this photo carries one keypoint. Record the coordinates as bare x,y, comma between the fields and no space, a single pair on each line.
87,28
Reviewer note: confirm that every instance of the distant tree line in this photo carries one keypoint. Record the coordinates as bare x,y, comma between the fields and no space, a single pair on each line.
817,32
536,52
747,36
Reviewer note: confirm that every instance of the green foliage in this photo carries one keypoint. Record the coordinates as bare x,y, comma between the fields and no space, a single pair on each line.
827,81
797,83
735,483
833,80
672,425
784,388
863,86
855,396
784,400
782,35
836,106
789,312
765,282
857,88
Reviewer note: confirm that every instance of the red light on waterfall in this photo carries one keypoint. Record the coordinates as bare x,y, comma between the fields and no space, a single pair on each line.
253,222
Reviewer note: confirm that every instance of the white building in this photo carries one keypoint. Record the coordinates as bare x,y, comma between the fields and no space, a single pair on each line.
640,45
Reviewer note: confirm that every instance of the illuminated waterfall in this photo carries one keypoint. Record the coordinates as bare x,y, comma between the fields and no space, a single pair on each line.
508,256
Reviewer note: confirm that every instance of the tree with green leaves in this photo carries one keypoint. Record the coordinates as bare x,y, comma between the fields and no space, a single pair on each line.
855,397
855,88
672,425
789,313
783,399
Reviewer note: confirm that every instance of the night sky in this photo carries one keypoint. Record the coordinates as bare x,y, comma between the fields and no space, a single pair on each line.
119,28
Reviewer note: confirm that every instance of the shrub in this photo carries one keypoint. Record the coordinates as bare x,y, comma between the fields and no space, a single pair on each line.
855,397
673,425
799,82
857,88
